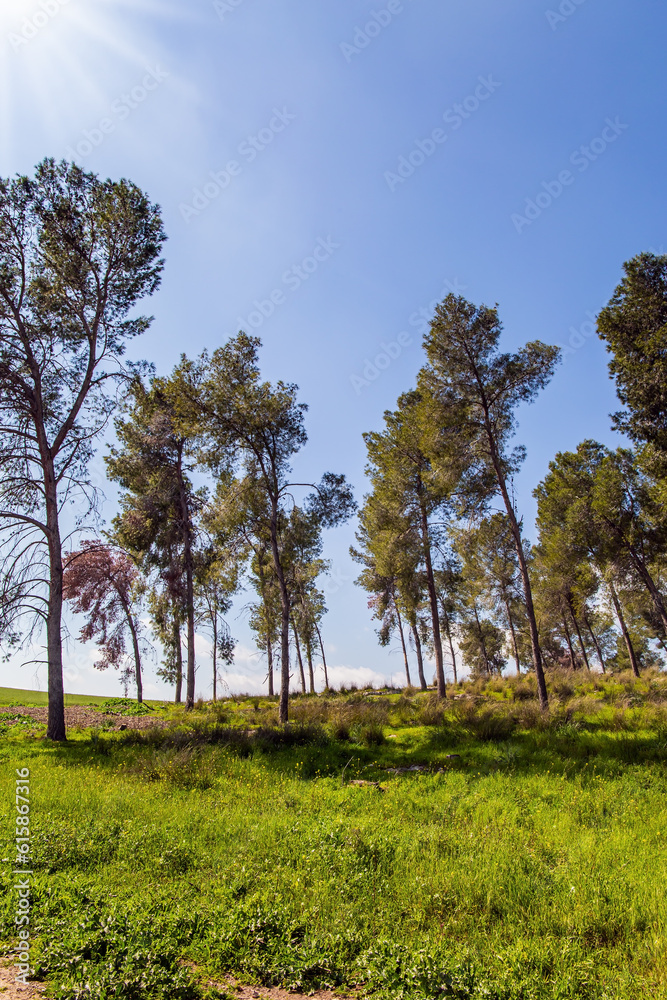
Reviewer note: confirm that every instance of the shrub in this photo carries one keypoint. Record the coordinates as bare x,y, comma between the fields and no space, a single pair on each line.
311,710
371,735
340,729
290,735
431,712
524,690
405,711
484,724
121,706
185,767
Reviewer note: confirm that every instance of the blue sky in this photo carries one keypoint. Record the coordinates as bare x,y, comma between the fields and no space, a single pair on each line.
369,157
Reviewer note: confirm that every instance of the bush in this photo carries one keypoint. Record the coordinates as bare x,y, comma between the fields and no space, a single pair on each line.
431,712
290,735
121,706
484,724
340,730
524,690
185,767
371,735
353,716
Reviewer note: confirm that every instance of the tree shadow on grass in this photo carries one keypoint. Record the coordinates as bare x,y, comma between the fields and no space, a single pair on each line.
309,752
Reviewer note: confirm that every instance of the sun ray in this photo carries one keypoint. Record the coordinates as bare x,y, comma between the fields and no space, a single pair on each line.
56,49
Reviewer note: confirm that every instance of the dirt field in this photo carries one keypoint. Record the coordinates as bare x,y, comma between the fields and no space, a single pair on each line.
11,990
78,717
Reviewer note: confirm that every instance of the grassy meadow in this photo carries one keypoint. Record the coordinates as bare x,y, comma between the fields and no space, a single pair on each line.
21,696
526,858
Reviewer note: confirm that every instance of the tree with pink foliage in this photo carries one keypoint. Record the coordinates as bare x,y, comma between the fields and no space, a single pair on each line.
102,583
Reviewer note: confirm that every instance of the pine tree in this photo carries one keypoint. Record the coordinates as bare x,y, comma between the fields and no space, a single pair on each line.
475,391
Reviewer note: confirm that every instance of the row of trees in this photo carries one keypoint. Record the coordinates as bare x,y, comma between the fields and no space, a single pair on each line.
214,415
203,460
450,573
203,456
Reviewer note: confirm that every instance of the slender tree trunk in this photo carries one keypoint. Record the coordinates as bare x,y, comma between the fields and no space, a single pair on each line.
448,633
324,659
283,706
55,728
269,654
515,646
189,585
523,565
265,601
624,630
178,653
299,658
593,636
214,622
309,657
433,601
403,646
579,636
644,574
568,637
481,640
135,649
420,658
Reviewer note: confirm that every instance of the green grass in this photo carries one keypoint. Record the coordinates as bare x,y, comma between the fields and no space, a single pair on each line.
531,866
21,696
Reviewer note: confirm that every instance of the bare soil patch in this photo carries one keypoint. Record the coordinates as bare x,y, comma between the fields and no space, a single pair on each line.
11,990
274,993
84,718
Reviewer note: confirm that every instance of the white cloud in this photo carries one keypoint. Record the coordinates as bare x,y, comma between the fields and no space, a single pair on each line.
361,676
